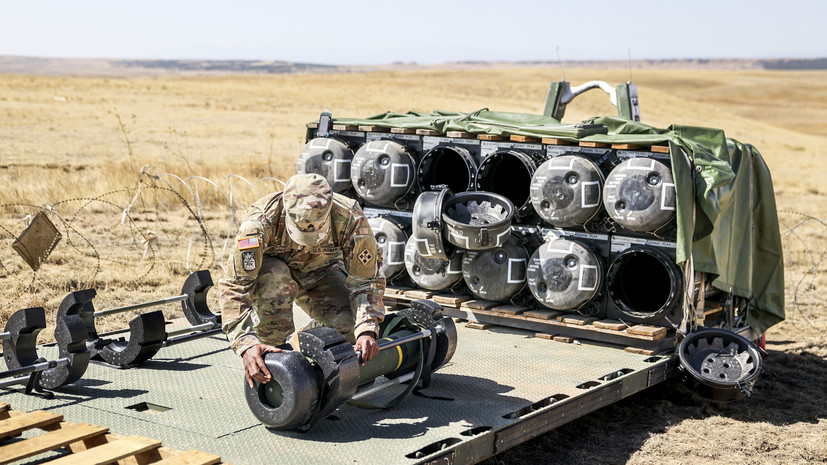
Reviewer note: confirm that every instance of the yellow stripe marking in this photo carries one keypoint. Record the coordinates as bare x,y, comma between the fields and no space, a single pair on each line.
399,350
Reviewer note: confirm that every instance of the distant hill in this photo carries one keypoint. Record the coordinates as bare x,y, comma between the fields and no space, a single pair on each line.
121,67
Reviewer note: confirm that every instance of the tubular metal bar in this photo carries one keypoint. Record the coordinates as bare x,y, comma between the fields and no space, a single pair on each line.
168,300
387,384
4,336
34,367
12,382
190,329
398,342
189,337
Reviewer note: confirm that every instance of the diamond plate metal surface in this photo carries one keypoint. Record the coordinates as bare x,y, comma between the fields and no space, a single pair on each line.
493,373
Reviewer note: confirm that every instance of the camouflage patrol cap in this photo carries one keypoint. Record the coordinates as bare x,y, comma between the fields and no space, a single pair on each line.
307,202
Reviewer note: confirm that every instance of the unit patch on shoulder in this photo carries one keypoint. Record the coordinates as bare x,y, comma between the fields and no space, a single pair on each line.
363,262
365,256
248,260
248,243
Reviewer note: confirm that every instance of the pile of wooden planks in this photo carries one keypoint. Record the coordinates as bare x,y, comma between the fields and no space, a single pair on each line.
81,443
546,323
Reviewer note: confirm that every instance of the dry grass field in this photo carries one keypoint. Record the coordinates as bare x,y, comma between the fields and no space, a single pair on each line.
207,146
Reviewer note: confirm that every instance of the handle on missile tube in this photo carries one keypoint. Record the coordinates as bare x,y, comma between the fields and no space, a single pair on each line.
388,344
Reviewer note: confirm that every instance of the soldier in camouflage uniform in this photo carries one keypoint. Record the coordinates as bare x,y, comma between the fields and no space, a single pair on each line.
309,246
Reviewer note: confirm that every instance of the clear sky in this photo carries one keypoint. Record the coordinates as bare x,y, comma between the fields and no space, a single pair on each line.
425,31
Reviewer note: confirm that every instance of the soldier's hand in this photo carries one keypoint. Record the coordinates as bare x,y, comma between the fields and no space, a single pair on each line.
254,367
367,344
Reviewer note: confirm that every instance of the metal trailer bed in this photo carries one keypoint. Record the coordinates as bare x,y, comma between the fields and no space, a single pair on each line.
502,388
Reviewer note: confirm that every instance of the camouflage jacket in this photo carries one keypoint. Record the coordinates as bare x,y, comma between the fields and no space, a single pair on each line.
350,246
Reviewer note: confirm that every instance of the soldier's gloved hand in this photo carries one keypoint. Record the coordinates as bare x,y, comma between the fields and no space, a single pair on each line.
366,342
254,367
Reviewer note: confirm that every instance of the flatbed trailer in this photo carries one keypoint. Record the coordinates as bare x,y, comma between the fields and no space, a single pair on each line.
503,387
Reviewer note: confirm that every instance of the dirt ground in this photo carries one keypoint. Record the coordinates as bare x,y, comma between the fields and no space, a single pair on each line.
145,178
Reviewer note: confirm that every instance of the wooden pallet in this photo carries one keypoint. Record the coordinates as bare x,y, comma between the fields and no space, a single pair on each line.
551,324
85,443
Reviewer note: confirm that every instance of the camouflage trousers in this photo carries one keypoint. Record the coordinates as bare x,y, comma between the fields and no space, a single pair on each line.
327,302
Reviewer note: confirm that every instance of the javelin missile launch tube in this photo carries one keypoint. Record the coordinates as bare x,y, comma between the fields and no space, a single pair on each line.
325,372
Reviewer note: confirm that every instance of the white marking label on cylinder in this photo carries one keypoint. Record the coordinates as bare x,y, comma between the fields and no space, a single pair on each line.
400,252
325,144
595,185
338,169
500,236
430,250
372,144
512,262
396,169
552,249
583,279
557,166
664,193
455,235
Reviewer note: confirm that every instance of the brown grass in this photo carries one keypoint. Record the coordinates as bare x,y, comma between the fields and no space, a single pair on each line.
79,144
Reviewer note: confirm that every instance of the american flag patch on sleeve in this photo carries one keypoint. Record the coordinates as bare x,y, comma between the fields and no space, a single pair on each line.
247,243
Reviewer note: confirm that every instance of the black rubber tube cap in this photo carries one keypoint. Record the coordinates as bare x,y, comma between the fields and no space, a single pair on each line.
294,383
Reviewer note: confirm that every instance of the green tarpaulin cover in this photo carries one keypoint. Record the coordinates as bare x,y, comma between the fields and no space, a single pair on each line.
726,215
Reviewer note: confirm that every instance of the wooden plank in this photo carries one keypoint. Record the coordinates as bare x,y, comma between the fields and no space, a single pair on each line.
49,441
530,321
313,125
345,127
555,141
17,424
660,149
191,457
3,406
626,146
641,351
396,291
579,320
477,325
561,338
518,138
403,131
653,332
371,128
541,314
109,452
509,310
428,132
544,336
586,143
415,294
450,299
478,304
461,135
614,325
490,137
